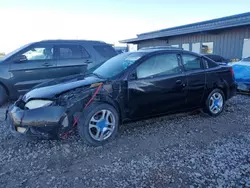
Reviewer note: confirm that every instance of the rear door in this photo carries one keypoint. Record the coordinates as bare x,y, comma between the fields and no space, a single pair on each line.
196,79
71,59
160,86
39,66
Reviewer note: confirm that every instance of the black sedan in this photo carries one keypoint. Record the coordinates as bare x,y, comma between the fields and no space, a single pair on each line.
128,87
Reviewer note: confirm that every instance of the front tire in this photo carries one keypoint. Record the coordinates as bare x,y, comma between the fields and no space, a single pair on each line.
3,95
215,103
98,124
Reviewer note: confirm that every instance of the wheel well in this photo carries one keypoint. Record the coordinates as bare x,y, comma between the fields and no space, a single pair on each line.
116,106
6,89
224,91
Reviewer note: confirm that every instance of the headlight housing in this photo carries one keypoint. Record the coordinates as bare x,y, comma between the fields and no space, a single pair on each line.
37,104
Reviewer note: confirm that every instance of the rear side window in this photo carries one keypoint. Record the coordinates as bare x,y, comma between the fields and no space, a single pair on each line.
158,65
105,51
71,52
216,58
209,64
191,62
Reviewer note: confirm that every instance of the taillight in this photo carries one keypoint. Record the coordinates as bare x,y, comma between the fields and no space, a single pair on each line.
232,71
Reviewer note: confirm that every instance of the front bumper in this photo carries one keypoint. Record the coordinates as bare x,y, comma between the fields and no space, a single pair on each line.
42,123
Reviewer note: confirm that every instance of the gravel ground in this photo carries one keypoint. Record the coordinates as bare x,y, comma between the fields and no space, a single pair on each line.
183,150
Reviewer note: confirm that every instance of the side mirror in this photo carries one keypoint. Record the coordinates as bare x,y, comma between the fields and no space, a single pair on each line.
20,58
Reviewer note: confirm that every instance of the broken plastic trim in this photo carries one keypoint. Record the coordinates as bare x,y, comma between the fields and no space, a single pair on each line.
86,105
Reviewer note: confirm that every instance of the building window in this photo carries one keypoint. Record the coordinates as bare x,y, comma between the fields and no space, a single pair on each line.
176,45
246,48
207,47
185,46
196,47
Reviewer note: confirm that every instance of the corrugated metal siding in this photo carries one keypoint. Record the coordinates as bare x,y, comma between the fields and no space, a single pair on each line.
228,43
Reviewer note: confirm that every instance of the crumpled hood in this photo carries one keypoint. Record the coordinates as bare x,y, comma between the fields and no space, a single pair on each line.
55,87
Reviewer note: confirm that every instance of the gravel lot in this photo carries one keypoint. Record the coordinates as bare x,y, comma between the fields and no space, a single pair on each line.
183,150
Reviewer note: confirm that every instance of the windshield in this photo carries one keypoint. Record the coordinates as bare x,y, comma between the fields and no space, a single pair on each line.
117,64
15,51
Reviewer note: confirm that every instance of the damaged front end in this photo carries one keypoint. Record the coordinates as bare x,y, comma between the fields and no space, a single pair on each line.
50,119
43,118
44,122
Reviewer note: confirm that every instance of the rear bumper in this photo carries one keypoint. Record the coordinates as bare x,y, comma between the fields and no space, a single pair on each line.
245,87
43,123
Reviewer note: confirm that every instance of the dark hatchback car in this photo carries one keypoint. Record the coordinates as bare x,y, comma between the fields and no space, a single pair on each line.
127,87
42,61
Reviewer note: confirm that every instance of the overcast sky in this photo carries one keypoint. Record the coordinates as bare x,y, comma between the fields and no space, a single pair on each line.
24,21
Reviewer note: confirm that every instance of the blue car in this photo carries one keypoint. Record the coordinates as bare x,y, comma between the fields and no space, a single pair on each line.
242,74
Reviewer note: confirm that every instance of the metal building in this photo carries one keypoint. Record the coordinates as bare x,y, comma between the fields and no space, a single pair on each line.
227,36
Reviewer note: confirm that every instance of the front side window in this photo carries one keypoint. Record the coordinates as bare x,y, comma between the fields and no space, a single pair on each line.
163,64
207,47
39,53
69,51
191,62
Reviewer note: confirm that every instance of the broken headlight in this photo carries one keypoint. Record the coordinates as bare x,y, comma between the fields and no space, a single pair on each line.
37,104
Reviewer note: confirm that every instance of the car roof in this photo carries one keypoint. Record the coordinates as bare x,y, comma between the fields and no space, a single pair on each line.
156,48
166,49
59,41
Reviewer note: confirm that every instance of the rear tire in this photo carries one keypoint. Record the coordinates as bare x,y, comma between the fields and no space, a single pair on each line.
98,124
3,95
215,103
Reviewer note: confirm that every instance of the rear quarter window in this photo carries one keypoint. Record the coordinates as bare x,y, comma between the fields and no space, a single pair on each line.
105,51
209,64
191,62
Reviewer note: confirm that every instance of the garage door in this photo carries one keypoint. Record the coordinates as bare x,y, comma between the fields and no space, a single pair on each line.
246,48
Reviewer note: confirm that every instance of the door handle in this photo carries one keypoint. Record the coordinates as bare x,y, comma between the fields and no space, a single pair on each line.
88,61
46,64
179,82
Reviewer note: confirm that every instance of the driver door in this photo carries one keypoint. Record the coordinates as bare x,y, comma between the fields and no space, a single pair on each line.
37,65
159,86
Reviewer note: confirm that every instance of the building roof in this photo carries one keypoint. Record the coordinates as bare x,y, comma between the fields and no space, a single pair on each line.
214,24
